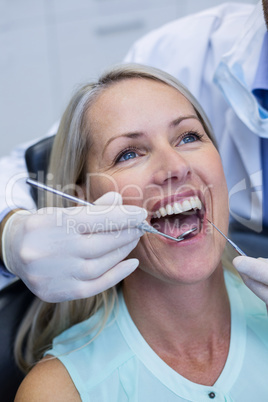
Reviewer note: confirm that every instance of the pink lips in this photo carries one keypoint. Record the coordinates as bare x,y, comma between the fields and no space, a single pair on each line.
175,223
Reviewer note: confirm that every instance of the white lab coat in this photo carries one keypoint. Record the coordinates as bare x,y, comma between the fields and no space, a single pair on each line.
191,49
15,193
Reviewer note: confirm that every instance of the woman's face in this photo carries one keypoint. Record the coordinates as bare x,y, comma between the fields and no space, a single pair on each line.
149,145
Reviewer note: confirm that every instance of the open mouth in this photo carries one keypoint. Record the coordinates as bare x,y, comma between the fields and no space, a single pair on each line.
179,217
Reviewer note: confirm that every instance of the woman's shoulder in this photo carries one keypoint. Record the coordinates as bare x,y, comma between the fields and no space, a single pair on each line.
47,381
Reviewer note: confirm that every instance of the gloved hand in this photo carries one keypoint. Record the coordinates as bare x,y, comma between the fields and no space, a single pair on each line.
254,272
72,253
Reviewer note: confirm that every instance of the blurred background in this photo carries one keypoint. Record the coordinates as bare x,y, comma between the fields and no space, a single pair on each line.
48,47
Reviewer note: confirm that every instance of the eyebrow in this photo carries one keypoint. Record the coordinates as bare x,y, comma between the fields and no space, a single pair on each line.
137,134
176,122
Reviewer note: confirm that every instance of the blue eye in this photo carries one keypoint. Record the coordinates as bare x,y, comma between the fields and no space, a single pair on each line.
190,137
126,156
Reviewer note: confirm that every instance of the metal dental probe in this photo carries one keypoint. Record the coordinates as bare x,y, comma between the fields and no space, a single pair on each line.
238,249
143,226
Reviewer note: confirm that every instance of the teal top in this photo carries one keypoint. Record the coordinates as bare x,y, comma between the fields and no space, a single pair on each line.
119,366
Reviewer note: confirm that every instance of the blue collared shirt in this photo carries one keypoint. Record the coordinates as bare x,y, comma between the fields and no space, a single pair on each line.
260,91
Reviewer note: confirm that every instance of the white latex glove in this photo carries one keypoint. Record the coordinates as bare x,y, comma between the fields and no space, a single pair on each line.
72,253
254,272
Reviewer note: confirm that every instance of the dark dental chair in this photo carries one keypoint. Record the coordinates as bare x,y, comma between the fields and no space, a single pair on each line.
37,161
14,301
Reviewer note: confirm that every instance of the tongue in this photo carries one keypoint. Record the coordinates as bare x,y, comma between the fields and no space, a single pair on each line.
176,225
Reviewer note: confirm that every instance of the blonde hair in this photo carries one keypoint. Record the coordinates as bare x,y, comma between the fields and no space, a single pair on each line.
67,168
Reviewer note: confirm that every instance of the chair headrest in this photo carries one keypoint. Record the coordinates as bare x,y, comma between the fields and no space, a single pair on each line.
37,161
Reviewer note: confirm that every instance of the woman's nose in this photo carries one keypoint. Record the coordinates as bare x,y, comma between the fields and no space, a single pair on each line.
170,164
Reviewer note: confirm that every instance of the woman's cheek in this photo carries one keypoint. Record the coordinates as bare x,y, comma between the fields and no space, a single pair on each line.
101,183
130,187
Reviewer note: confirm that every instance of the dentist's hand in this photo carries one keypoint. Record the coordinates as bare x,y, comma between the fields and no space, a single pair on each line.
254,273
72,253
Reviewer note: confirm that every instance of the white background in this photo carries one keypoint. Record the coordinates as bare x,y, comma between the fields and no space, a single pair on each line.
47,47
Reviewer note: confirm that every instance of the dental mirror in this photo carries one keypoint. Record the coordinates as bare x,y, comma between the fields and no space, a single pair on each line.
183,235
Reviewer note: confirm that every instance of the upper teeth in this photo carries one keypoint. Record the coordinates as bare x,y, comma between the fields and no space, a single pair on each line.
178,207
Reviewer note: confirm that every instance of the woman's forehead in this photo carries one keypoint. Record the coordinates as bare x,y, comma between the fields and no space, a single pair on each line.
138,95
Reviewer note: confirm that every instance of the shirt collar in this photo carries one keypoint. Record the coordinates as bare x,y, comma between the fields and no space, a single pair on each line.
261,77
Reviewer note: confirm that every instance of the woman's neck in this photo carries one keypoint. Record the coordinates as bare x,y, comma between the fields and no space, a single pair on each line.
190,305
186,325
